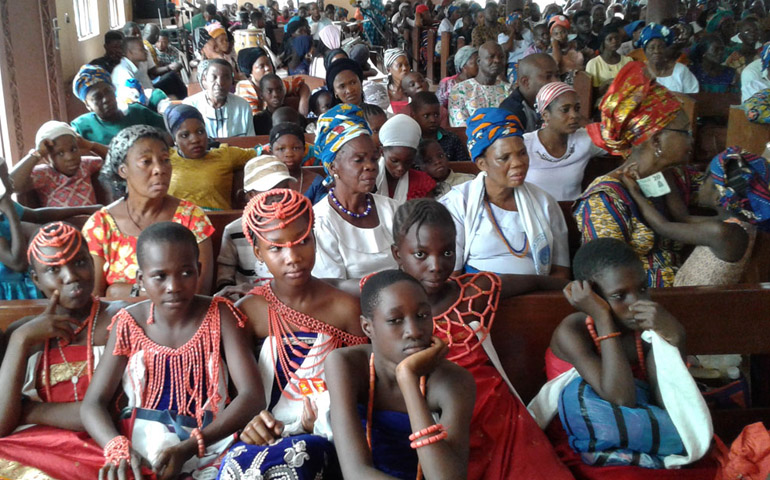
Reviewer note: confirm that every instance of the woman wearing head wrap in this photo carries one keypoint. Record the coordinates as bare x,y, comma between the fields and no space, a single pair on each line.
504,224
92,85
139,170
390,97
201,175
353,227
330,42
399,137
656,40
344,80
645,124
255,63
560,150
466,67
722,23
725,253
567,57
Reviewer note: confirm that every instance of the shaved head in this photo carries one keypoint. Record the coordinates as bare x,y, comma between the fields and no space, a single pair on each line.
535,71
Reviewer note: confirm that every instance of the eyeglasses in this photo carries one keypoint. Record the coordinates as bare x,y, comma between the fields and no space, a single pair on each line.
680,130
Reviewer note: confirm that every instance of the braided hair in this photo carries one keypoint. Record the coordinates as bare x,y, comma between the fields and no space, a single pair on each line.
421,211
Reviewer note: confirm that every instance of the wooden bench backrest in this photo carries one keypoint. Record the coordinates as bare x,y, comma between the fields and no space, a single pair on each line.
584,88
740,131
719,320
717,105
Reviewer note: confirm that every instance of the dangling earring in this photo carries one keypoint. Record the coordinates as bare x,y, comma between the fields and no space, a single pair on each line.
658,151
336,176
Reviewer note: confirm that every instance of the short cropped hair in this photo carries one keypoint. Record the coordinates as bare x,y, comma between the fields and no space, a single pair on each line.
601,254
423,99
372,289
164,232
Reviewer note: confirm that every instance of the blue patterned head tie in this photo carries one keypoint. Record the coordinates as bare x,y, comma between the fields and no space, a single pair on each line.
653,31
335,128
87,77
741,179
489,124
512,18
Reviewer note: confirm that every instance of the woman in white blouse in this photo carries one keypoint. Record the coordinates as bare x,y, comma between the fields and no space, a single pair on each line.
560,150
353,227
504,224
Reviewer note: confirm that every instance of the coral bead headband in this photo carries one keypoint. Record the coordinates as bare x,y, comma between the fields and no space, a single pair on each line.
282,205
57,235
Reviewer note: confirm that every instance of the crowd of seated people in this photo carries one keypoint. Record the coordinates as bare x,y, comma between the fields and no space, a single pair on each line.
338,326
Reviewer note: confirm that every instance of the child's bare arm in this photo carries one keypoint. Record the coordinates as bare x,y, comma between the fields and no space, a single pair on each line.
12,250
93,147
22,171
242,368
344,381
25,335
446,459
609,373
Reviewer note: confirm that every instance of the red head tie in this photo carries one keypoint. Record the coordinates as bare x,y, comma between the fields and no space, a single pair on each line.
57,235
281,204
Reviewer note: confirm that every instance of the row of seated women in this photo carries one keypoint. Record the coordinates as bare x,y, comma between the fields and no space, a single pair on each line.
387,404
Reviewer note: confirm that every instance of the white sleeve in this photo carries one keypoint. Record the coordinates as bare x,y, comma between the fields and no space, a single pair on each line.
689,82
454,201
328,260
560,252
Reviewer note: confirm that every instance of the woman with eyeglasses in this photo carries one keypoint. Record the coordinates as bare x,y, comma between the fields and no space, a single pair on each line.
645,124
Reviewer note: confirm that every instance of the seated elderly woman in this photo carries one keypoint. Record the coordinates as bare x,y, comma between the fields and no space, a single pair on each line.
139,167
390,97
505,225
644,123
255,63
201,175
93,86
224,114
353,227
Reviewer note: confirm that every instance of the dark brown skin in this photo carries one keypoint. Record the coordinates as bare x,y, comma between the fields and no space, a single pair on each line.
297,289
28,335
170,279
618,301
402,320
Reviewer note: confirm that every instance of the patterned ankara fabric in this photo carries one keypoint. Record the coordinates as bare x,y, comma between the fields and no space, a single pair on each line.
489,124
633,109
334,129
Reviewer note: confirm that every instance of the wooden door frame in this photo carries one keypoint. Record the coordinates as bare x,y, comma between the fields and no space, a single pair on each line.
13,139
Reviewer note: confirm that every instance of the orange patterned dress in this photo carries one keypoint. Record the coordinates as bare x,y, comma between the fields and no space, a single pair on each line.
106,241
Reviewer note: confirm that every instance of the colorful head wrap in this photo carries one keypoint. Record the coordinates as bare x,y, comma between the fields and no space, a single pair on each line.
282,205
421,8
558,21
717,19
742,179
175,116
633,109
59,235
764,55
330,36
335,128
653,31
247,57
215,29
391,55
512,18
550,92
87,77
463,55
489,124
633,26
51,130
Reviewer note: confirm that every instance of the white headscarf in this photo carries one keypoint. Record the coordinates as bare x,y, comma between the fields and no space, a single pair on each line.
52,130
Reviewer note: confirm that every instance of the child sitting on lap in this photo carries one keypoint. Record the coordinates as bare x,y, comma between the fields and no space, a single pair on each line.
55,168
170,352
625,398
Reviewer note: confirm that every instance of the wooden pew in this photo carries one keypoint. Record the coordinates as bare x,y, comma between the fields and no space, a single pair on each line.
585,93
446,44
715,105
718,320
751,136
